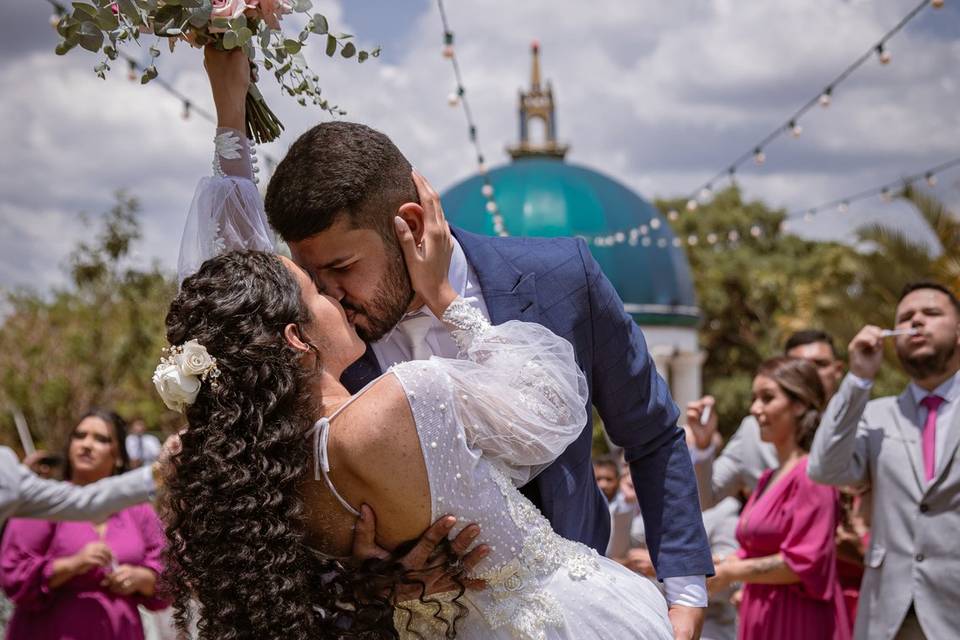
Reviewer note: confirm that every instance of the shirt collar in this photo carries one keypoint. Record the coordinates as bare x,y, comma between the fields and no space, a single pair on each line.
949,390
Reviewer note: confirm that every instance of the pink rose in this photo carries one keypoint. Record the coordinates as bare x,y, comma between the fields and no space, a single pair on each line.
272,10
228,9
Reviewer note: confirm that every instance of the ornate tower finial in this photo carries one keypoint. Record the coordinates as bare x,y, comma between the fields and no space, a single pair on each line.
538,104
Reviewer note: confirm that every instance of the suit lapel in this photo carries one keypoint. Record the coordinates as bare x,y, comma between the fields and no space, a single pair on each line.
906,419
361,372
509,293
951,443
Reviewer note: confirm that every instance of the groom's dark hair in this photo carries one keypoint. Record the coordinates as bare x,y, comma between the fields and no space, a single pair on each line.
339,169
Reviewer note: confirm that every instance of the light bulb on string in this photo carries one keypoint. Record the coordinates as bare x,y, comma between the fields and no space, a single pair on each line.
692,205
931,179
756,231
448,44
808,216
883,55
843,207
677,242
759,157
795,129
885,194
132,71
706,193
733,236
453,99
825,97
186,110
487,190
673,215
481,166
646,241
644,230
712,238
619,237
655,223
662,243
936,4
54,20
692,240
491,206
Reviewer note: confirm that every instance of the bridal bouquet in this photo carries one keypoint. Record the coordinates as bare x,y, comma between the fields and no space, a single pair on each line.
251,25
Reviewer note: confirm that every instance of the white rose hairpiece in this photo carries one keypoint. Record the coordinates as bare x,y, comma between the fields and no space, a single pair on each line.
180,373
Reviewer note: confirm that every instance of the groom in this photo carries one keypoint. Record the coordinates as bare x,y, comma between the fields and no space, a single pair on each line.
334,199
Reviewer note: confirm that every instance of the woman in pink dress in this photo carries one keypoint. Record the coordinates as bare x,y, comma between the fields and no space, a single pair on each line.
787,558
84,580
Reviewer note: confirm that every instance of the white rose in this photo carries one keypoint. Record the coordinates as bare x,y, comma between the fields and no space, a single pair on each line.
176,388
194,360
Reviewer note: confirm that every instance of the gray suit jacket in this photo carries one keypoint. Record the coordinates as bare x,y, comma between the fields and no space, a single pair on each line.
914,554
739,466
23,494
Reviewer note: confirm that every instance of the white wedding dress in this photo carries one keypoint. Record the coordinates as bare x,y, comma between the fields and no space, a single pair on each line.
488,422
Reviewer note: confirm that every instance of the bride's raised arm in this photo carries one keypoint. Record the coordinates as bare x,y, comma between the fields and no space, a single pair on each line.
227,210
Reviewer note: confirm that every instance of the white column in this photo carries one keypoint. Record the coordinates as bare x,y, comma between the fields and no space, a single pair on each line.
662,354
685,378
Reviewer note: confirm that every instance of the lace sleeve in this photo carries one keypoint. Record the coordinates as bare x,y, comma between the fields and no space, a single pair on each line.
227,212
518,391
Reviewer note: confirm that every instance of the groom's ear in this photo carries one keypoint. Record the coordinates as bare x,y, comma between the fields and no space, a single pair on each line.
412,214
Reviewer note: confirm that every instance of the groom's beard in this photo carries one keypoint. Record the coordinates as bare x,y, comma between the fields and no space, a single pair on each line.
393,294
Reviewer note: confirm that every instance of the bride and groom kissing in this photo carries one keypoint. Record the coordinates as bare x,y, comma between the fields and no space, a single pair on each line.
401,368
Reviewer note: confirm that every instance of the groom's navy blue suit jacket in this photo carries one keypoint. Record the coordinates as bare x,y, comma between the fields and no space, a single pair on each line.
557,283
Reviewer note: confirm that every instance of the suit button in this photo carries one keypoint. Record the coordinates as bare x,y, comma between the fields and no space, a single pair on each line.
918,557
924,508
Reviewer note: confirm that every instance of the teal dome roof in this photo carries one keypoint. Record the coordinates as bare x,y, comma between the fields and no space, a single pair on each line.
541,196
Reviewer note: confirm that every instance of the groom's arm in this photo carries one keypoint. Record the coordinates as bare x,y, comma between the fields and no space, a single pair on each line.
640,416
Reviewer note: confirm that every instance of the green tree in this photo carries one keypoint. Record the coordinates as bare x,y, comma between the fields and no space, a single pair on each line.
93,343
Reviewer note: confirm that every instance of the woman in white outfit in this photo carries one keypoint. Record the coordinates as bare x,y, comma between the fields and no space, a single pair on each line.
279,460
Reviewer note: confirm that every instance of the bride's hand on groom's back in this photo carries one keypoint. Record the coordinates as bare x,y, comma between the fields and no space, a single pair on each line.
427,246
437,572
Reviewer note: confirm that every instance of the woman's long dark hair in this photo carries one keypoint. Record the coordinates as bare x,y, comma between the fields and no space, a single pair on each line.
119,426
235,518
799,380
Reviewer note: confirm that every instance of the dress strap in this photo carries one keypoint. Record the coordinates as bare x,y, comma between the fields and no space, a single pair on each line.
321,463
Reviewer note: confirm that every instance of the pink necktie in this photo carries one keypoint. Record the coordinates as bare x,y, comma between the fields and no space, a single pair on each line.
932,403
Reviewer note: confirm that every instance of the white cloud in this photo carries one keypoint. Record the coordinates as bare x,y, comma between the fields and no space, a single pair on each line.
659,95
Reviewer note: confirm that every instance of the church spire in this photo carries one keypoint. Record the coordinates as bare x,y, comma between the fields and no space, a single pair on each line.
538,104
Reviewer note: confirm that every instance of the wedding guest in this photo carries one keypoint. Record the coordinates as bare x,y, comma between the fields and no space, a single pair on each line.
606,471
84,580
142,448
746,456
787,556
903,449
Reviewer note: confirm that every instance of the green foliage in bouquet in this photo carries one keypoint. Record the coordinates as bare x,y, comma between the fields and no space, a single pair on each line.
251,25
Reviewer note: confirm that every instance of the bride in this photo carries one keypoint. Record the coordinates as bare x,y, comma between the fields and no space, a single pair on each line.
278,460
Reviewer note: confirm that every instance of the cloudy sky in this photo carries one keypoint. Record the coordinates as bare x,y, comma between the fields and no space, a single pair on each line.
661,95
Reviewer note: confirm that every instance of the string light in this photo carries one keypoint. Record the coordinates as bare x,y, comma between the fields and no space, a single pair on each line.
795,128
930,179
460,98
937,4
882,54
759,157
186,110
824,98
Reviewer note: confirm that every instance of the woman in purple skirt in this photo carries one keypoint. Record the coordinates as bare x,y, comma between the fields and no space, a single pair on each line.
84,580
787,557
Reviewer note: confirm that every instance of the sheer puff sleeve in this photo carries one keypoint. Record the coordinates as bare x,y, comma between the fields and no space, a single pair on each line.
227,212
518,391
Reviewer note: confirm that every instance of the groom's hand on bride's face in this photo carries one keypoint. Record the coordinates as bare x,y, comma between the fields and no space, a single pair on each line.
437,573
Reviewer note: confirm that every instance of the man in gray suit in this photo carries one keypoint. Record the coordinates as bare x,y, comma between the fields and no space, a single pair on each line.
746,456
904,449
23,494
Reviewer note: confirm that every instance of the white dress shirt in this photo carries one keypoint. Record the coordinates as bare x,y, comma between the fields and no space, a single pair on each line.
394,348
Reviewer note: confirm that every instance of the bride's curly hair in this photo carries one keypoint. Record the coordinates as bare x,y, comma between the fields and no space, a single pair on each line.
234,516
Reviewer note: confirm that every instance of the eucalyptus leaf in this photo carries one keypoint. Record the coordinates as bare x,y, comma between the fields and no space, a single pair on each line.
292,46
63,47
375,53
231,40
149,74
343,36
90,37
348,50
302,6
220,23
129,9
200,17
320,26
106,20
154,52
265,39
191,4
83,7
303,35
245,35
362,56
110,52
331,45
